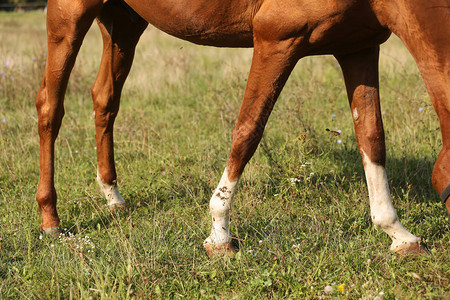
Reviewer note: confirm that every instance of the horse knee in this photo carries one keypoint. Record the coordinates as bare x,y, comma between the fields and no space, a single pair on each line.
49,115
106,107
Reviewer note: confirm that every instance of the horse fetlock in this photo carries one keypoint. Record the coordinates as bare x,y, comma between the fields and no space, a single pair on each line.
220,232
387,221
220,207
220,215
111,193
384,220
400,236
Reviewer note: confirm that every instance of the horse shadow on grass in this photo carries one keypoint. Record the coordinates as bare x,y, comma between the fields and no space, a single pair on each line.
409,179
406,173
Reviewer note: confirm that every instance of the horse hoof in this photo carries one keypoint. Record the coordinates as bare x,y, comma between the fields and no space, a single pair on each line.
117,208
415,249
53,232
227,249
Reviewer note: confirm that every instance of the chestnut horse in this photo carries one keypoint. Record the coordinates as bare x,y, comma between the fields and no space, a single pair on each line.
281,33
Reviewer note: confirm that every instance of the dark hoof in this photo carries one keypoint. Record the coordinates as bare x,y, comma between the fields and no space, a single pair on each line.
117,208
54,232
227,249
416,249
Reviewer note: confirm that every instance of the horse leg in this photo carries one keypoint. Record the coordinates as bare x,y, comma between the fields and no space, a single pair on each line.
120,35
361,78
432,54
273,61
422,26
66,29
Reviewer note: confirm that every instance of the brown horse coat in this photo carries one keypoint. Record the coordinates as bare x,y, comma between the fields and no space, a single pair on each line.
281,33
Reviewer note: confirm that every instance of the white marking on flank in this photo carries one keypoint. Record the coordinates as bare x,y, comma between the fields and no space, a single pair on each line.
220,206
110,191
381,209
355,114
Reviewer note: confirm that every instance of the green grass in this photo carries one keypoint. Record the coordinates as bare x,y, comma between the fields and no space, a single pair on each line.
172,135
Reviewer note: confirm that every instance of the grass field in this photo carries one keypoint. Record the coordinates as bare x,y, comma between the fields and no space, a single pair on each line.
301,214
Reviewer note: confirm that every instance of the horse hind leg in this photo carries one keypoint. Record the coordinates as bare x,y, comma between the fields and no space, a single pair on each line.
441,170
67,23
120,33
423,28
431,51
361,78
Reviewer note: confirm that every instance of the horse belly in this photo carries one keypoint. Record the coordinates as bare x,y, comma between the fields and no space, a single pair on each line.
215,23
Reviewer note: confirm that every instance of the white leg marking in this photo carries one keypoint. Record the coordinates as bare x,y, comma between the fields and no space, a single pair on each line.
110,191
381,209
355,114
220,206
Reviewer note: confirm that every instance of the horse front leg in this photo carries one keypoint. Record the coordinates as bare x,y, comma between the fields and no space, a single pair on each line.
67,24
120,35
361,78
272,63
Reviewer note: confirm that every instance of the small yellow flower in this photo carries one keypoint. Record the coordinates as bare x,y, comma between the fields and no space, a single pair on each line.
341,287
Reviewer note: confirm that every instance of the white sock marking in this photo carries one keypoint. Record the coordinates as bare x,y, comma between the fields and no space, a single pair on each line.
220,206
355,114
110,191
381,209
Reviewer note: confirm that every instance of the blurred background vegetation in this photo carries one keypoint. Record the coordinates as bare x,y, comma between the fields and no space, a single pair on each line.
15,5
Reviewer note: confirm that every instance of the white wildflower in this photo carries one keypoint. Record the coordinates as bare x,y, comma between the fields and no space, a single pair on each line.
294,180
